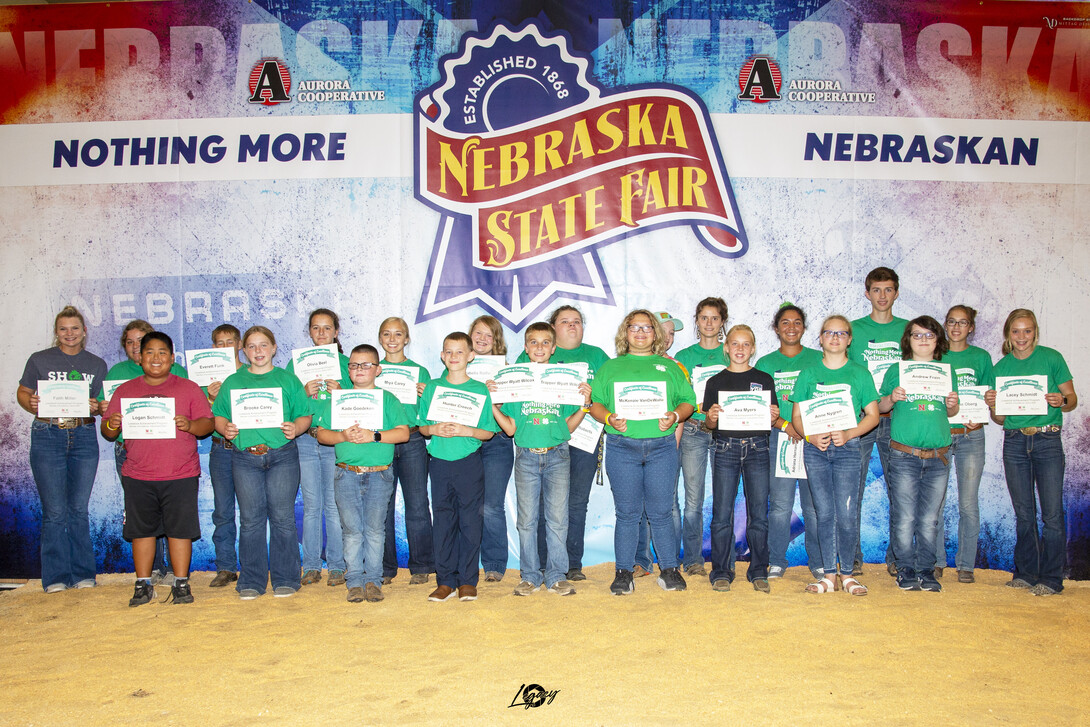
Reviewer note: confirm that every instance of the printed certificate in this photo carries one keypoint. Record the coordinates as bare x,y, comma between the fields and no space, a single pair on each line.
700,376
484,367
1021,395
206,365
559,383
517,382
971,406
827,414
109,386
789,464
748,411
639,399
148,418
400,381
316,362
257,408
587,434
926,378
362,407
64,399
455,405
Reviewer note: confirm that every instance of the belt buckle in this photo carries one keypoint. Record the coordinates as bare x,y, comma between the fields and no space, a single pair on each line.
68,422
1030,431
258,449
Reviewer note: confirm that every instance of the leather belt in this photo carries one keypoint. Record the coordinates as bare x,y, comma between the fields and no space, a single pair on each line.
541,450
67,422
258,449
1030,431
363,470
939,453
958,430
222,442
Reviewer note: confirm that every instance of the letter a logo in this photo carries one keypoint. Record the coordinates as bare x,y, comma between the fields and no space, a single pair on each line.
270,82
759,80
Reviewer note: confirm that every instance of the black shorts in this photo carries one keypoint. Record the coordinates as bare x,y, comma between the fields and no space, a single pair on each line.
161,507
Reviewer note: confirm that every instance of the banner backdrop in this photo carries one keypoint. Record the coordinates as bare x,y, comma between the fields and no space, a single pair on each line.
231,161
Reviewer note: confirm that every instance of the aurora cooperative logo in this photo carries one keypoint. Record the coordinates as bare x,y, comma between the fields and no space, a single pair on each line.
534,166
270,82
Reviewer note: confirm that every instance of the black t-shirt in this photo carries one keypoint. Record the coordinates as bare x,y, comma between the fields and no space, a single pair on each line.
727,380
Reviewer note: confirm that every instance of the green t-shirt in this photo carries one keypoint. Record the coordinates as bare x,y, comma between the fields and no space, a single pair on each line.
876,345
695,356
424,377
592,356
296,403
1042,362
539,425
346,380
630,368
784,370
455,448
371,454
819,380
919,420
128,370
971,367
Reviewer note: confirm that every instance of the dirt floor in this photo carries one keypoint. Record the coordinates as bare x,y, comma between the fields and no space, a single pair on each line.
973,654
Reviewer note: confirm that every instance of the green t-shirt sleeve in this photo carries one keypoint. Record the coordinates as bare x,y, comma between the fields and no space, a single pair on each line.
867,392
393,412
891,380
297,403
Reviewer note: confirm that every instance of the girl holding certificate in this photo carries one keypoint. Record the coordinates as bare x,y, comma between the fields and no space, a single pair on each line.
919,444
740,447
318,465
831,395
410,468
641,397
972,369
261,409
1033,454
498,454
64,448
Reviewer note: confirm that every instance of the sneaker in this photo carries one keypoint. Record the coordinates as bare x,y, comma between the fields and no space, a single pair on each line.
966,576
223,577
157,576
907,581
857,568
525,588
372,593
492,576
761,584
467,592
55,588
415,579
143,593
442,593
928,582
283,591
938,571
670,579
1019,583
622,583
86,583
638,571
721,584
356,595
576,574
1042,590
696,569
774,572
817,573
181,593
311,577
562,588
387,580
336,578
891,568
248,594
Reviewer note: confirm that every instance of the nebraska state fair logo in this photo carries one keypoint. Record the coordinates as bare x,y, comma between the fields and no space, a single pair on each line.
534,167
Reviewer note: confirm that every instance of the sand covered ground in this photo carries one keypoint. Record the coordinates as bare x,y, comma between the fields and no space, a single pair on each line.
974,654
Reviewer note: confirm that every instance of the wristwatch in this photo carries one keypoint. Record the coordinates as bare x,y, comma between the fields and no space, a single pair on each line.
377,434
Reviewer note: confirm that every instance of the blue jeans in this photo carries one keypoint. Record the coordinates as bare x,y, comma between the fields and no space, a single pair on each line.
411,470
361,501
880,435
917,486
498,454
223,506
266,486
696,450
583,467
64,463
159,560
968,454
317,463
1036,462
781,503
834,486
746,457
644,555
457,497
643,476
543,477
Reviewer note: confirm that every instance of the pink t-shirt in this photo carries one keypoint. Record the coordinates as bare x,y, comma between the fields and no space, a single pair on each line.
163,459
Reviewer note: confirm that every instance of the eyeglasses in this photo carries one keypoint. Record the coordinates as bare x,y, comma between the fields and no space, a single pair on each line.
923,336
640,329
836,334
366,366
958,324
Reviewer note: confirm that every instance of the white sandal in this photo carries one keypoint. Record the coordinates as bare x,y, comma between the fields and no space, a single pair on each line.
825,585
852,587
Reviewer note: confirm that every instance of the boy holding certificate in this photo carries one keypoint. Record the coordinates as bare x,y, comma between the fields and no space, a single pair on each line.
541,433
364,481
456,416
161,470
